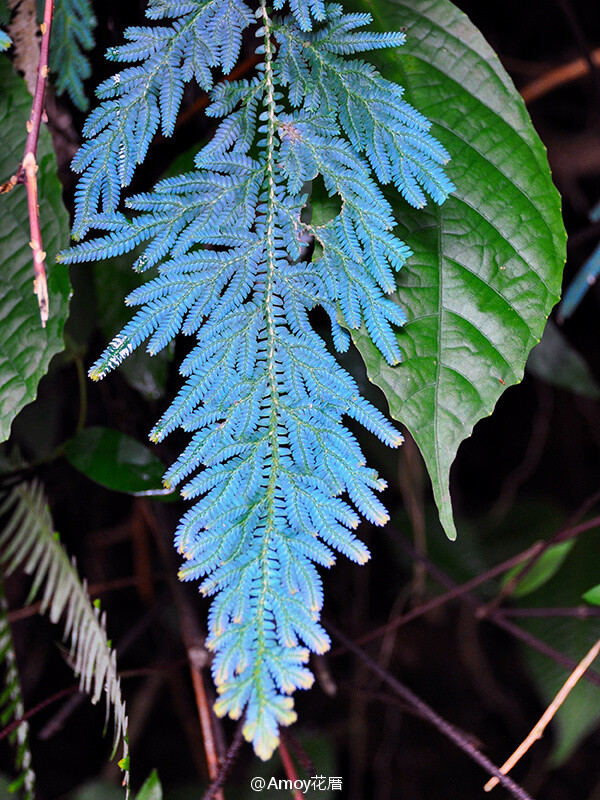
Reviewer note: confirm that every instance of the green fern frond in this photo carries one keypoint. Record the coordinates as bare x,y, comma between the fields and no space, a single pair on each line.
30,542
12,708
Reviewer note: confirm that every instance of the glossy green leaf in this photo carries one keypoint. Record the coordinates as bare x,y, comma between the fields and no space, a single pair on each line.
116,461
592,596
27,347
487,265
555,361
152,789
544,568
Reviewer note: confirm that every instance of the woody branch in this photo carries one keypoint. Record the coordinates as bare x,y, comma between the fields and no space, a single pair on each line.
27,172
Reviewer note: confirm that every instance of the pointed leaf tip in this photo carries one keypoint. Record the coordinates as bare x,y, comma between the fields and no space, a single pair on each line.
472,320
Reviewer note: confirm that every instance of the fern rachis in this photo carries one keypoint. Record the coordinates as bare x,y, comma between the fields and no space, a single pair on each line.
280,476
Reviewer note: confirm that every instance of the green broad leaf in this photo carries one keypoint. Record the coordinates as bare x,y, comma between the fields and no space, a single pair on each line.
152,789
116,461
487,265
544,568
27,348
592,596
555,361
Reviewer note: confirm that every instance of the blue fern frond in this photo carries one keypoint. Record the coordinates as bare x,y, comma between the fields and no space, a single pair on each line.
586,277
304,12
73,27
279,484
577,289
205,35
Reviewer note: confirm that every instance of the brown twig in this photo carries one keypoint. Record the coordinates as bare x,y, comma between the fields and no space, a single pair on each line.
579,612
548,714
555,78
194,645
570,531
496,617
455,591
290,770
442,599
227,762
582,43
36,709
300,754
94,590
204,712
27,172
391,700
442,725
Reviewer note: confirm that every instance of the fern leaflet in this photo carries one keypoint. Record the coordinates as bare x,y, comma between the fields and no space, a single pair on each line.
29,541
277,478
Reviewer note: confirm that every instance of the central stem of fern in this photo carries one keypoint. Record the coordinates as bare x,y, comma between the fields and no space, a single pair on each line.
271,266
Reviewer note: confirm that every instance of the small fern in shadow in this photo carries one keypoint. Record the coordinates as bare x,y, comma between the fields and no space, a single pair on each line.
29,542
12,709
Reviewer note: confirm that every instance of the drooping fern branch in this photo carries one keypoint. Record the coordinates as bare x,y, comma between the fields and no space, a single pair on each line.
12,708
280,478
29,542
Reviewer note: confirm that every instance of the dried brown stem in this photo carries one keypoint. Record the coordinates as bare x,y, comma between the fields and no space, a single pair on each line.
205,715
497,616
194,645
440,600
227,762
555,78
424,710
290,770
70,690
27,172
548,714
582,43
562,535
